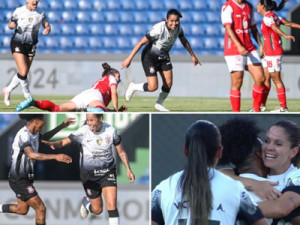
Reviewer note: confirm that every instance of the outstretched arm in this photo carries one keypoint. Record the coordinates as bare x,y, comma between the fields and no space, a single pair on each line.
280,32
43,157
127,61
124,158
290,24
67,122
187,46
58,144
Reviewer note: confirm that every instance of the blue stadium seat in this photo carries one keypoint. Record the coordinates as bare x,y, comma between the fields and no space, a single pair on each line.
95,42
113,4
141,17
185,4
110,29
199,17
69,4
126,17
54,16
97,17
169,4
221,43
82,29
155,16
81,43
139,29
126,29
109,42
66,43
186,29
68,29
69,16
211,43
84,4
83,17
51,42
56,4
221,29
13,4
197,29
7,15
41,43
43,5
96,29
99,5
6,30
124,42
128,4
200,4
211,30
186,17
142,4
3,5
134,40
55,29
213,17
196,42
6,41
215,4
112,16
156,4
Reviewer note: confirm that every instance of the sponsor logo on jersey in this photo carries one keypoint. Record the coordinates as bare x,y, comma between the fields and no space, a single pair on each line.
30,19
181,205
220,208
151,69
17,49
99,141
107,140
30,189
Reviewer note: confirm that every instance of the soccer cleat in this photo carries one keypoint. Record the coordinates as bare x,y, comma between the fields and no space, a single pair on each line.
94,109
6,96
160,107
129,92
263,108
252,110
25,104
280,109
84,212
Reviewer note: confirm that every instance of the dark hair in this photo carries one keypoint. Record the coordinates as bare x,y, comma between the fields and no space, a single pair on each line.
174,12
202,142
98,115
108,70
239,140
29,117
271,5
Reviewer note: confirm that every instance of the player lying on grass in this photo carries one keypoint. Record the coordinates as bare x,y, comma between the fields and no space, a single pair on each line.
94,99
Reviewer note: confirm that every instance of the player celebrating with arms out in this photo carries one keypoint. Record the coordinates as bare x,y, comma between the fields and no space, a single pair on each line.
239,51
98,166
270,28
26,21
155,57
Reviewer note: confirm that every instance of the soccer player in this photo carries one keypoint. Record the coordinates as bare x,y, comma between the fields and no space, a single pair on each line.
193,196
24,154
155,57
98,166
271,31
26,21
95,99
239,51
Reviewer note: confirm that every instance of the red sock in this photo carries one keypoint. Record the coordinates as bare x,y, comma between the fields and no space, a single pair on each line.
235,100
265,95
281,97
257,93
47,105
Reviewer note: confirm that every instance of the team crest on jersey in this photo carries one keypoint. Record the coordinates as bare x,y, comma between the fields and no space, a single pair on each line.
34,143
30,19
30,189
151,69
99,141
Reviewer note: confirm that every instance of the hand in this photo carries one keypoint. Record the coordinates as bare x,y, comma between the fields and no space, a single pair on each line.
262,52
266,191
290,37
63,158
130,176
50,144
123,108
242,50
46,31
12,25
126,63
196,61
69,121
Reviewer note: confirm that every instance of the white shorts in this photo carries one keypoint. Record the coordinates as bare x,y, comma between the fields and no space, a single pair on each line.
273,63
83,99
238,62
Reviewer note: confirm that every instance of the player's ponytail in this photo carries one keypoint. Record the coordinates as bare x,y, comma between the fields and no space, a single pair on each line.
272,6
29,117
108,70
201,143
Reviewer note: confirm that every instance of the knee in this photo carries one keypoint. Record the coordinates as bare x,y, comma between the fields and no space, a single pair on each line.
97,210
152,87
168,84
23,211
41,209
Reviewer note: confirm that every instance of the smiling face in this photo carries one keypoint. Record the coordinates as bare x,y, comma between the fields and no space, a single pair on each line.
172,22
277,152
32,4
94,122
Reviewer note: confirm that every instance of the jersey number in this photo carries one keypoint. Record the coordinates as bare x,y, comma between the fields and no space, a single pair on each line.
210,222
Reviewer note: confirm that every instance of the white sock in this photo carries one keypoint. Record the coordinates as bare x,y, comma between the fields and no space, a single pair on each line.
13,84
25,88
139,87
162,97
114,220
1,208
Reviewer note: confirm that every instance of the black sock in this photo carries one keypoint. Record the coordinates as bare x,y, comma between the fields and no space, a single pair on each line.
40,224
113,213
90,208
6,208
145,87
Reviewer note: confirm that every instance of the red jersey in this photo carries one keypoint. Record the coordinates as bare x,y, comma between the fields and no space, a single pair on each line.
241,19
103,85
272,40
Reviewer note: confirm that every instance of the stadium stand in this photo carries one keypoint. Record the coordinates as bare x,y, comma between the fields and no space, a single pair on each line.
116,25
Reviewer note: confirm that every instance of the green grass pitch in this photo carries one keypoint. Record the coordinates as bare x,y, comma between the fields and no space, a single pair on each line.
174,104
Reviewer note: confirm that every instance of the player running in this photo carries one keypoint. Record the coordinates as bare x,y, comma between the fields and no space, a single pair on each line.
155,57
98,166
271,31
95,99
26,21
24,154
193,196
239,51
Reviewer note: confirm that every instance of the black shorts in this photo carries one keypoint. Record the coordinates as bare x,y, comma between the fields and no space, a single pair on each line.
93,189
152,64
25,49
23,188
